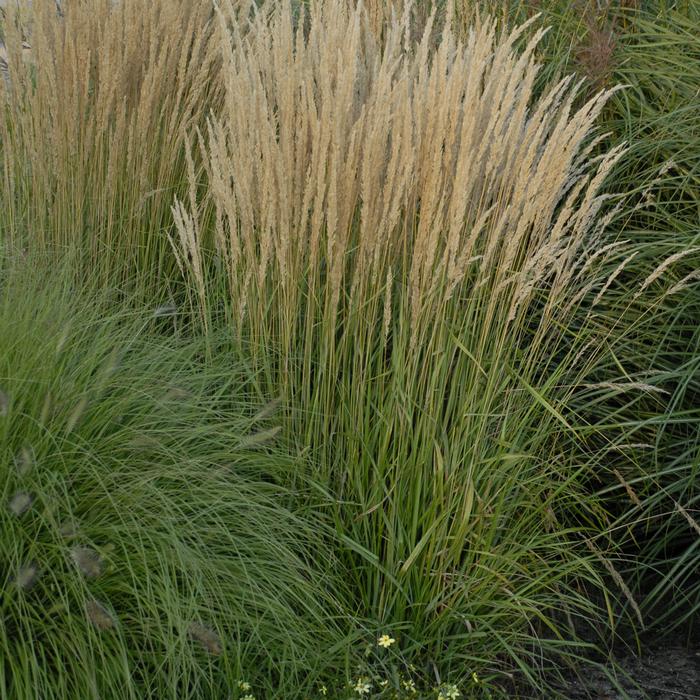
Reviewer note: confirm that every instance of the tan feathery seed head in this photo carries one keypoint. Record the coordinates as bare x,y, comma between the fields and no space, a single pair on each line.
259,438
207,638
93,96
268,410
20,503
99,615
663,266
24,460
359,184
68,530
437,155
88,561
596,54
28,575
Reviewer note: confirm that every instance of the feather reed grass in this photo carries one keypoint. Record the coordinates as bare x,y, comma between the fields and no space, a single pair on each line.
410,241
409,222
93,124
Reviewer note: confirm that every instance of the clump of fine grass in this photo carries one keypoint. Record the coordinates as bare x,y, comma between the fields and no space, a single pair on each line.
143,552
410,242
644,415
93,118
654,435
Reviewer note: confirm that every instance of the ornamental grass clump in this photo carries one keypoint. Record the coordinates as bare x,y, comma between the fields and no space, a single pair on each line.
92,122
653,435
145,554
410,242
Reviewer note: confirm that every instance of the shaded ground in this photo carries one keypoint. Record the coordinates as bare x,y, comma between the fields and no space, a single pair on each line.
668,670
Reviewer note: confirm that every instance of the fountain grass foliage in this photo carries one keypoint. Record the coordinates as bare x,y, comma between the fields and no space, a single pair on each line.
470,283
150,546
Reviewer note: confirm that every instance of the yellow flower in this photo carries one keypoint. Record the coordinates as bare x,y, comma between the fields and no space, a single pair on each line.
449,692
385,641
409,685
324,690
362,686
244,686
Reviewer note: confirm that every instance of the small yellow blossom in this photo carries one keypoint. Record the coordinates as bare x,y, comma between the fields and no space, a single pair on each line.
383,683
409,685
324,690
248,697
475,678
449,692
362,686
244,686
385,641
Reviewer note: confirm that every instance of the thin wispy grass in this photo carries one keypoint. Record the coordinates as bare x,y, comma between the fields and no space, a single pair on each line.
146,553
658,297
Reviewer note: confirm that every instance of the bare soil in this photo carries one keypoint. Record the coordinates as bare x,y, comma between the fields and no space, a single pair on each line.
666,670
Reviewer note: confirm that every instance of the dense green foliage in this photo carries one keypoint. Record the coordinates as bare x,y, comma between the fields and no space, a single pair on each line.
148,548
254,480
